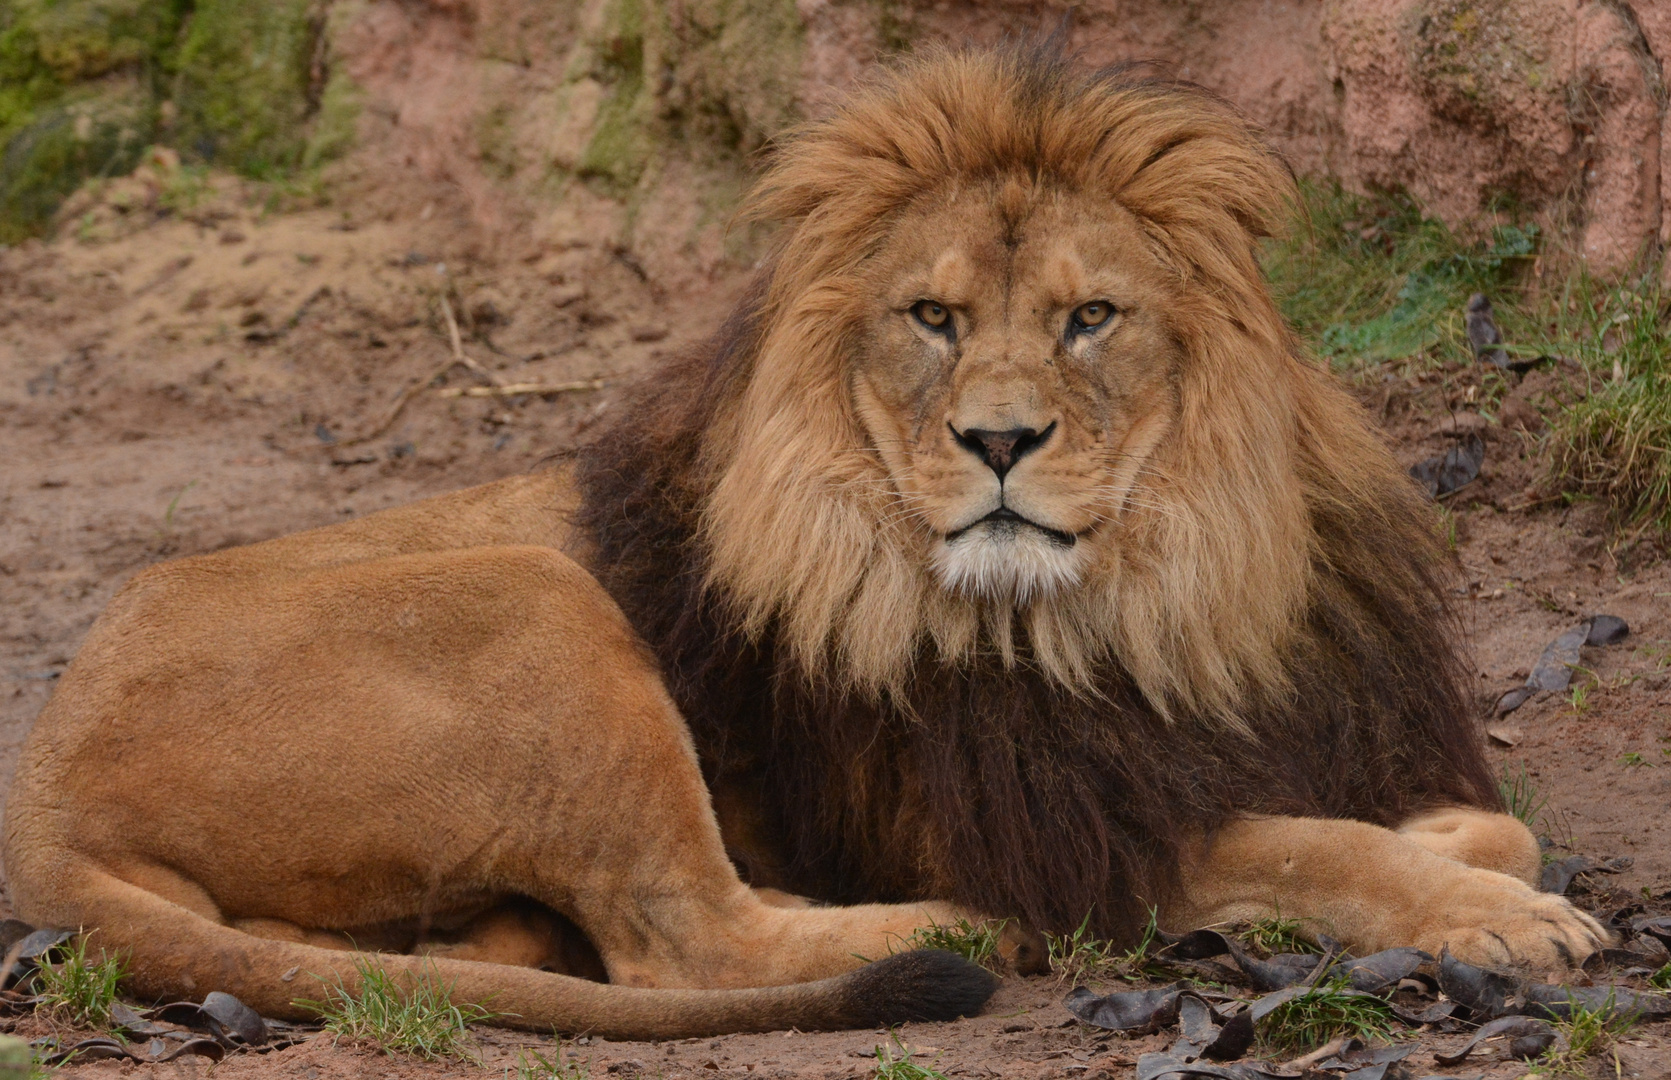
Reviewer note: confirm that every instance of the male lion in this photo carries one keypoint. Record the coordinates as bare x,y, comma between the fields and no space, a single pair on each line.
1002,551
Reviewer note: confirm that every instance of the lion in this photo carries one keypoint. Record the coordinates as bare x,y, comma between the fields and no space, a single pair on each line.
1002,557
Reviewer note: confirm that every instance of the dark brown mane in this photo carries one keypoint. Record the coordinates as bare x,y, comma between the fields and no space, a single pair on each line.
989,786
993,786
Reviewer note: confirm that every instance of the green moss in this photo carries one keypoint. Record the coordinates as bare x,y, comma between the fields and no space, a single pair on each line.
243,93
78,85
739,66
710,79
47,45
336,122
896,29
625,130
59,149
1472,59
85,84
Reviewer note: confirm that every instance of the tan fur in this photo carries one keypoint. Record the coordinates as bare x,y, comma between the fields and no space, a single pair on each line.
1190,452
1199,568
399,731
388,733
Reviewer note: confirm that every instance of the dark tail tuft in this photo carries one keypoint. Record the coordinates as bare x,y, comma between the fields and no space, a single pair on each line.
922,984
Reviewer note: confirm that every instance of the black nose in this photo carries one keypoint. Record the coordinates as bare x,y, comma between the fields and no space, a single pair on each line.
1002,449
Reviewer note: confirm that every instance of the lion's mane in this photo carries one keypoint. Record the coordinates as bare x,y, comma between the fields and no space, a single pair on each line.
1271,638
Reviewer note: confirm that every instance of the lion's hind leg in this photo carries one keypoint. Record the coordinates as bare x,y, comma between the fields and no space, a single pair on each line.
175,950
522,933
1490,841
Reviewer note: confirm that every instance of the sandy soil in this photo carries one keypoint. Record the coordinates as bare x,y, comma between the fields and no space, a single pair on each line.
173,383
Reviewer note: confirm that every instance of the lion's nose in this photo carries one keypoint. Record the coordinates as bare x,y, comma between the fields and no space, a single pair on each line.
1000,450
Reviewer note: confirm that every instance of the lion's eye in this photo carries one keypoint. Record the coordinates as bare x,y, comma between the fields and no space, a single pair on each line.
932,315
1092,315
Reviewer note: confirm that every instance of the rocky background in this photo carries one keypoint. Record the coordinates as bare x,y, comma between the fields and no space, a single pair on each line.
630,124
246,247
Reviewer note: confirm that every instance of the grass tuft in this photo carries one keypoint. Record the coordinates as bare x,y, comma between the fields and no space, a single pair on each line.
419,1019
1615,443
1589,1032
533,1065
1367,279
976,943
1520,796
1661,978
1323,1013
1082,955
78,988
894,1063
1277,935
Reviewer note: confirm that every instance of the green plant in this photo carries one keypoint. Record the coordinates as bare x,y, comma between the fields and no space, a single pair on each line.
1082,955
1520,796
1579,697
533,1065
1659,652
407,1016
174,504
1367,279
1615,442
183,187
1662,977
974,942
894,1063
1587,1032
1325,1012
78,988
1135,956
1277,935
1452,532
1370,278
1079,954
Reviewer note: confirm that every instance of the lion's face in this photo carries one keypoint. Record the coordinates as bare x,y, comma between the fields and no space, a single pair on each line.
1014,382
1015,372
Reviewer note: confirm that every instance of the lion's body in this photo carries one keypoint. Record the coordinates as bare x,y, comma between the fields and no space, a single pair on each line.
1002,550
428,729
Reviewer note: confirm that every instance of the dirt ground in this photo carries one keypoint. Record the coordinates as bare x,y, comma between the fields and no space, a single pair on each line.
177,382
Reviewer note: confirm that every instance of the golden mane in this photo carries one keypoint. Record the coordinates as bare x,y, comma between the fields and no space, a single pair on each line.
1267,635
1212,569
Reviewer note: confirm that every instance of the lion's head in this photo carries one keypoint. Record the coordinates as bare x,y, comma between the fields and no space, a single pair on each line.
1005,531
1020,363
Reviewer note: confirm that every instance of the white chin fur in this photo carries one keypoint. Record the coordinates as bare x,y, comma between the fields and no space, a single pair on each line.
1008,563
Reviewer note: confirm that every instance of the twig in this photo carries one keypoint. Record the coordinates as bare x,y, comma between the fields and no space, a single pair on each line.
1442,496
458,345
1323,1053
399,406
512,389
458,359
1322,968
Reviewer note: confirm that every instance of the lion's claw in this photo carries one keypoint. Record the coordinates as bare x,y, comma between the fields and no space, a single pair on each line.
1492,920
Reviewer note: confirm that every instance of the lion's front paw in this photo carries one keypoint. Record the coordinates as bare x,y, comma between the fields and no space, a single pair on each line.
1493,920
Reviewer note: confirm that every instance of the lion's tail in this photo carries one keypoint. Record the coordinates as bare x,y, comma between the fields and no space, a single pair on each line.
175,952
